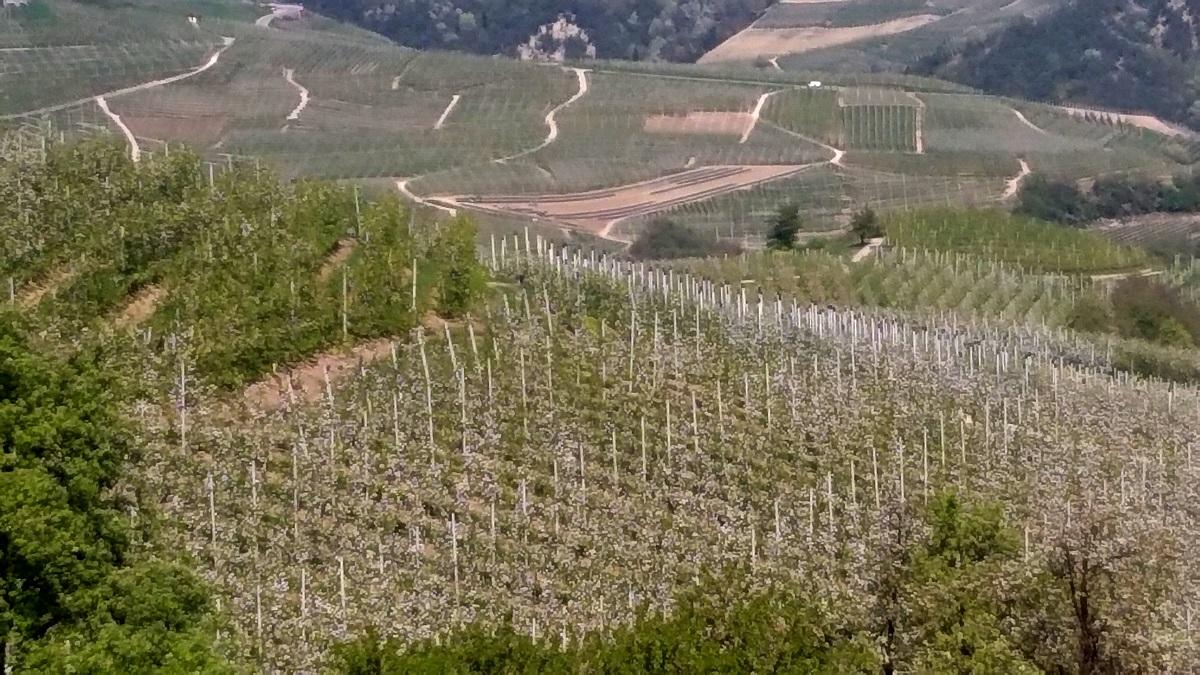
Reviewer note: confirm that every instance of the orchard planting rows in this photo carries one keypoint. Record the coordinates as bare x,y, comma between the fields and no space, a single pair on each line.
591,442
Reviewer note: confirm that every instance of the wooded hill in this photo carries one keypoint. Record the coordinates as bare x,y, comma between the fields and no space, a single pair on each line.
676,30
1112,53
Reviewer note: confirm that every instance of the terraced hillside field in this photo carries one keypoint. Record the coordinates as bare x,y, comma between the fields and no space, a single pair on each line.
315,99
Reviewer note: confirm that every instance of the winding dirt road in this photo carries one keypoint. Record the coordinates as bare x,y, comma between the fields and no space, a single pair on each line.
402,186
1014,183
446,113
755,114
551,121
1025,120
212,61
135,151
866,251
290,76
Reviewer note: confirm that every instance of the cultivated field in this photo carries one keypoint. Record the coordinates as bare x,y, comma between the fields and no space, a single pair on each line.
600,210
754,42
581,445
313,98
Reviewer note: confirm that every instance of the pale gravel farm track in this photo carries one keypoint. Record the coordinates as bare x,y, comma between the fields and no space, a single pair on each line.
1025,120
755,114
212,61
402,186
290,76
1014,183
446,113
135,151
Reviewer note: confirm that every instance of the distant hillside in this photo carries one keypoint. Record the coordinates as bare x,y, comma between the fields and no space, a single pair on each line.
672,30
1113,53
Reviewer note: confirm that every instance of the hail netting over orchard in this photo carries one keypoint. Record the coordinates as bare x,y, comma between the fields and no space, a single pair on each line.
592,444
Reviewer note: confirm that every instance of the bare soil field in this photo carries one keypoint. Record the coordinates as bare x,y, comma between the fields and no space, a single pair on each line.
755,42
704,123
1149,122
595,211
340,255
30,297
141,307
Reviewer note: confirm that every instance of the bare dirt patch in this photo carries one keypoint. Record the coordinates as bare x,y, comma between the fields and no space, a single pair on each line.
769,42
1149,122
700,123
341,253
140,307
595,211
30,297
306,382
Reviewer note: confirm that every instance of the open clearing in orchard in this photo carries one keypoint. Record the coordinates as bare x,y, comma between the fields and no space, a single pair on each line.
717,123
768,42
597,210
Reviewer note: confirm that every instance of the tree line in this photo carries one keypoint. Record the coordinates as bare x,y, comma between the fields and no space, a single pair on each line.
1118,196
669,30
666,239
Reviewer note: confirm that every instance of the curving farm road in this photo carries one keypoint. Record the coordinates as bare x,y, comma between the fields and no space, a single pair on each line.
212,61
755,114
402,186
135,150
290,76
446,113
551,122
1014,183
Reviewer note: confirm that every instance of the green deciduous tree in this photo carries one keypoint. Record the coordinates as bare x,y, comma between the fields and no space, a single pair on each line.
1055,201
865,225
71,597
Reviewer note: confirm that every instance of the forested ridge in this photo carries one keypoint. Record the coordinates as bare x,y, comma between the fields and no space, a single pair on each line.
671,30
1119,54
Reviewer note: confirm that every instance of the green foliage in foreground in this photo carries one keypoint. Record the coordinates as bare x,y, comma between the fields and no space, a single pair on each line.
1144,309
1032,244
72,597
957,598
